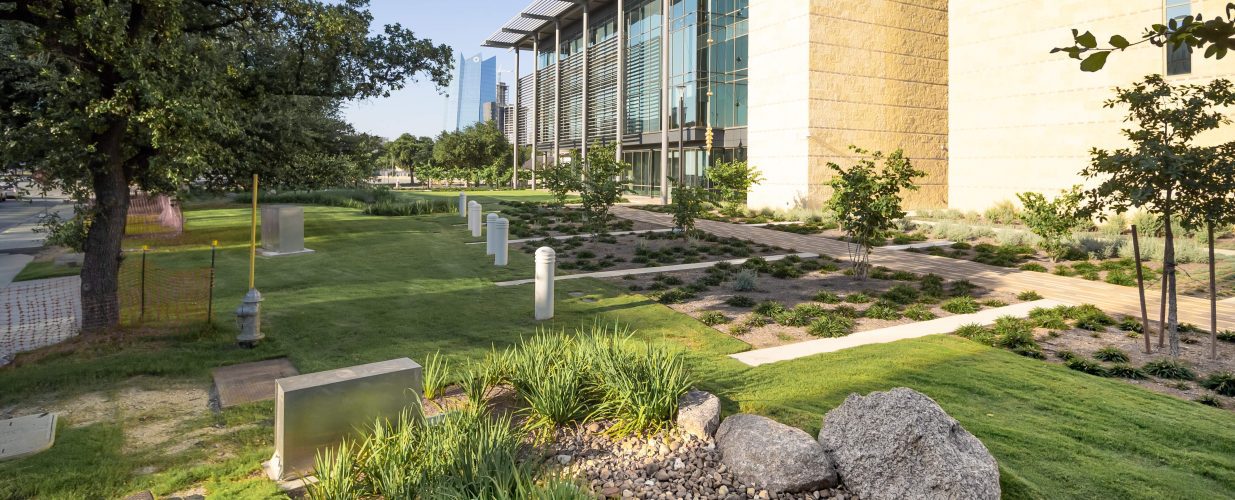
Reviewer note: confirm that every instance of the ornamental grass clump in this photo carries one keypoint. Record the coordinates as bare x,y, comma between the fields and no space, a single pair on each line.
1169,369
465,454
1220,382
830,326
961,305
1111,354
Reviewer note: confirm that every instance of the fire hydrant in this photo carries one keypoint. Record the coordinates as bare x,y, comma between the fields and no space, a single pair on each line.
249,319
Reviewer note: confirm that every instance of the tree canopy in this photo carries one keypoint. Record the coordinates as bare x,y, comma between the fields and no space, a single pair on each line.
1216,35
477,153
101,96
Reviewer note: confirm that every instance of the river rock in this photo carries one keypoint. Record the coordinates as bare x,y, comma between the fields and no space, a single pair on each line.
901,444
699,413
761,451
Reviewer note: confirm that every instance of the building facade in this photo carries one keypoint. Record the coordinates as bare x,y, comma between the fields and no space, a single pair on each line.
476,84
967,88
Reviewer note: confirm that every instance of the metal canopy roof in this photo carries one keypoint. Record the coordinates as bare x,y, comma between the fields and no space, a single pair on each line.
533,19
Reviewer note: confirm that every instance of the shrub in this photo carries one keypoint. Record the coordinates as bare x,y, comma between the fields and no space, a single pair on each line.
740,301
1209,400
867,199
902,294
960,245
713,318
961,305
1065,355
931,285
674,296
827,297
1169,369
882,311
1227,335
1028,296
1120,277
1054,221
961,287
1111,354
668,280
1085,365
976,333
1033,267
994,303
858,298
1016,334
1003,212
830,326
918,312
1124,370
769,308
1130,324
745,280
1089,317
793,317
847,311
1052,318
1220,382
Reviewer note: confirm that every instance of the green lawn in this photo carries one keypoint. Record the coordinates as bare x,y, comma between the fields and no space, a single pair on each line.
38,270
380,288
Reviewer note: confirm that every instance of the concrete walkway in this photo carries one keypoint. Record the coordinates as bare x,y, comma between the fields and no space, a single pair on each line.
11,265
650,270
37,314
569,236
1112,298
890,334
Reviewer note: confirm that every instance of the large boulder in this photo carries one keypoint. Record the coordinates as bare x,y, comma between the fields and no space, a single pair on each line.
764,452
699,413
901,444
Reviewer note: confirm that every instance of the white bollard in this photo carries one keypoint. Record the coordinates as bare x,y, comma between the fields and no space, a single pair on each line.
462,204
501,241
489,241
546,259
473,218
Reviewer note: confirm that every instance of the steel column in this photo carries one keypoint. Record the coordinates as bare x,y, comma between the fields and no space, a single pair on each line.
583,107
514,174
535,132
557,91
621,78
664,101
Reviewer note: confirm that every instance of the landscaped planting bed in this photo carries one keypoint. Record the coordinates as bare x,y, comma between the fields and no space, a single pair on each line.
767,304
1086,339
634,251
532,219
746,216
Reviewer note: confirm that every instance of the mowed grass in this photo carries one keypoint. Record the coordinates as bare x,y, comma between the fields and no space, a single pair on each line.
380,288
38,270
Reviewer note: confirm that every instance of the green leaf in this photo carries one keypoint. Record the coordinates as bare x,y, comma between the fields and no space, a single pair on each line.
1095,61
1119,42
1087,40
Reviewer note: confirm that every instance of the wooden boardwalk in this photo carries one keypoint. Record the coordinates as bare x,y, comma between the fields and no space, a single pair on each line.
1111,298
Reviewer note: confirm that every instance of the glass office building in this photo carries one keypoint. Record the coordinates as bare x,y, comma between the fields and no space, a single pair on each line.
651,76
476,84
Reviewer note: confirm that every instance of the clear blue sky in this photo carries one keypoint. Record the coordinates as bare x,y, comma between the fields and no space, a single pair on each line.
462,24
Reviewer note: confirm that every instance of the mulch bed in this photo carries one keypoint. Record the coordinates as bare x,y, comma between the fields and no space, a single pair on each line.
789,295
634,251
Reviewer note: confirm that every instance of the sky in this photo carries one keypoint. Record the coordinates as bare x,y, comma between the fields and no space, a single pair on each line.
420,108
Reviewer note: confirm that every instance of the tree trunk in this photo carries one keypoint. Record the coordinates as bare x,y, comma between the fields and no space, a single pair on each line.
100,305
1213,297
1168,268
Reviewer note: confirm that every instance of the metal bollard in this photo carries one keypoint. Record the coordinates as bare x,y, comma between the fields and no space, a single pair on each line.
489,241
546,259
473,218
462,204
501,241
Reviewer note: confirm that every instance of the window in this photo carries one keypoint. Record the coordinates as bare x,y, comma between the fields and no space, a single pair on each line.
1178,59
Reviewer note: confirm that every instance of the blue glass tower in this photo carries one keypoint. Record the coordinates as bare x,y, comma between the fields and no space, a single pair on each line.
477,84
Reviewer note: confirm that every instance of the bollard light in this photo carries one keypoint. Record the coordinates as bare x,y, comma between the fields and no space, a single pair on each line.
546,259
473,216
501,241
462,204
490,243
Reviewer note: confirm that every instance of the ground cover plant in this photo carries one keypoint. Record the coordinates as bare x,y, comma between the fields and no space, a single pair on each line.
796,299
384,287
654,249
1086,339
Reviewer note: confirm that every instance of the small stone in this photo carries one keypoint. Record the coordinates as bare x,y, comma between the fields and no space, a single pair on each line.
593,427
564,459
662,476
723,490
678,464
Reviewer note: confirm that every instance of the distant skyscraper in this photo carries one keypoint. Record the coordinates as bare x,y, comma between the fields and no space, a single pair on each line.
476,79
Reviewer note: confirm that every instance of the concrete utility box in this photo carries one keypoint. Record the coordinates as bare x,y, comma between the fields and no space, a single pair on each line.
316,411
282,230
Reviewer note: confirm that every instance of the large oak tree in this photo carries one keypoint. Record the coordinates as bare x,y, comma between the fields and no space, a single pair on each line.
100,96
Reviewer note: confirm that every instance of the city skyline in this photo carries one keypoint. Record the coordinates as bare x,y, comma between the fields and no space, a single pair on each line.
419,108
